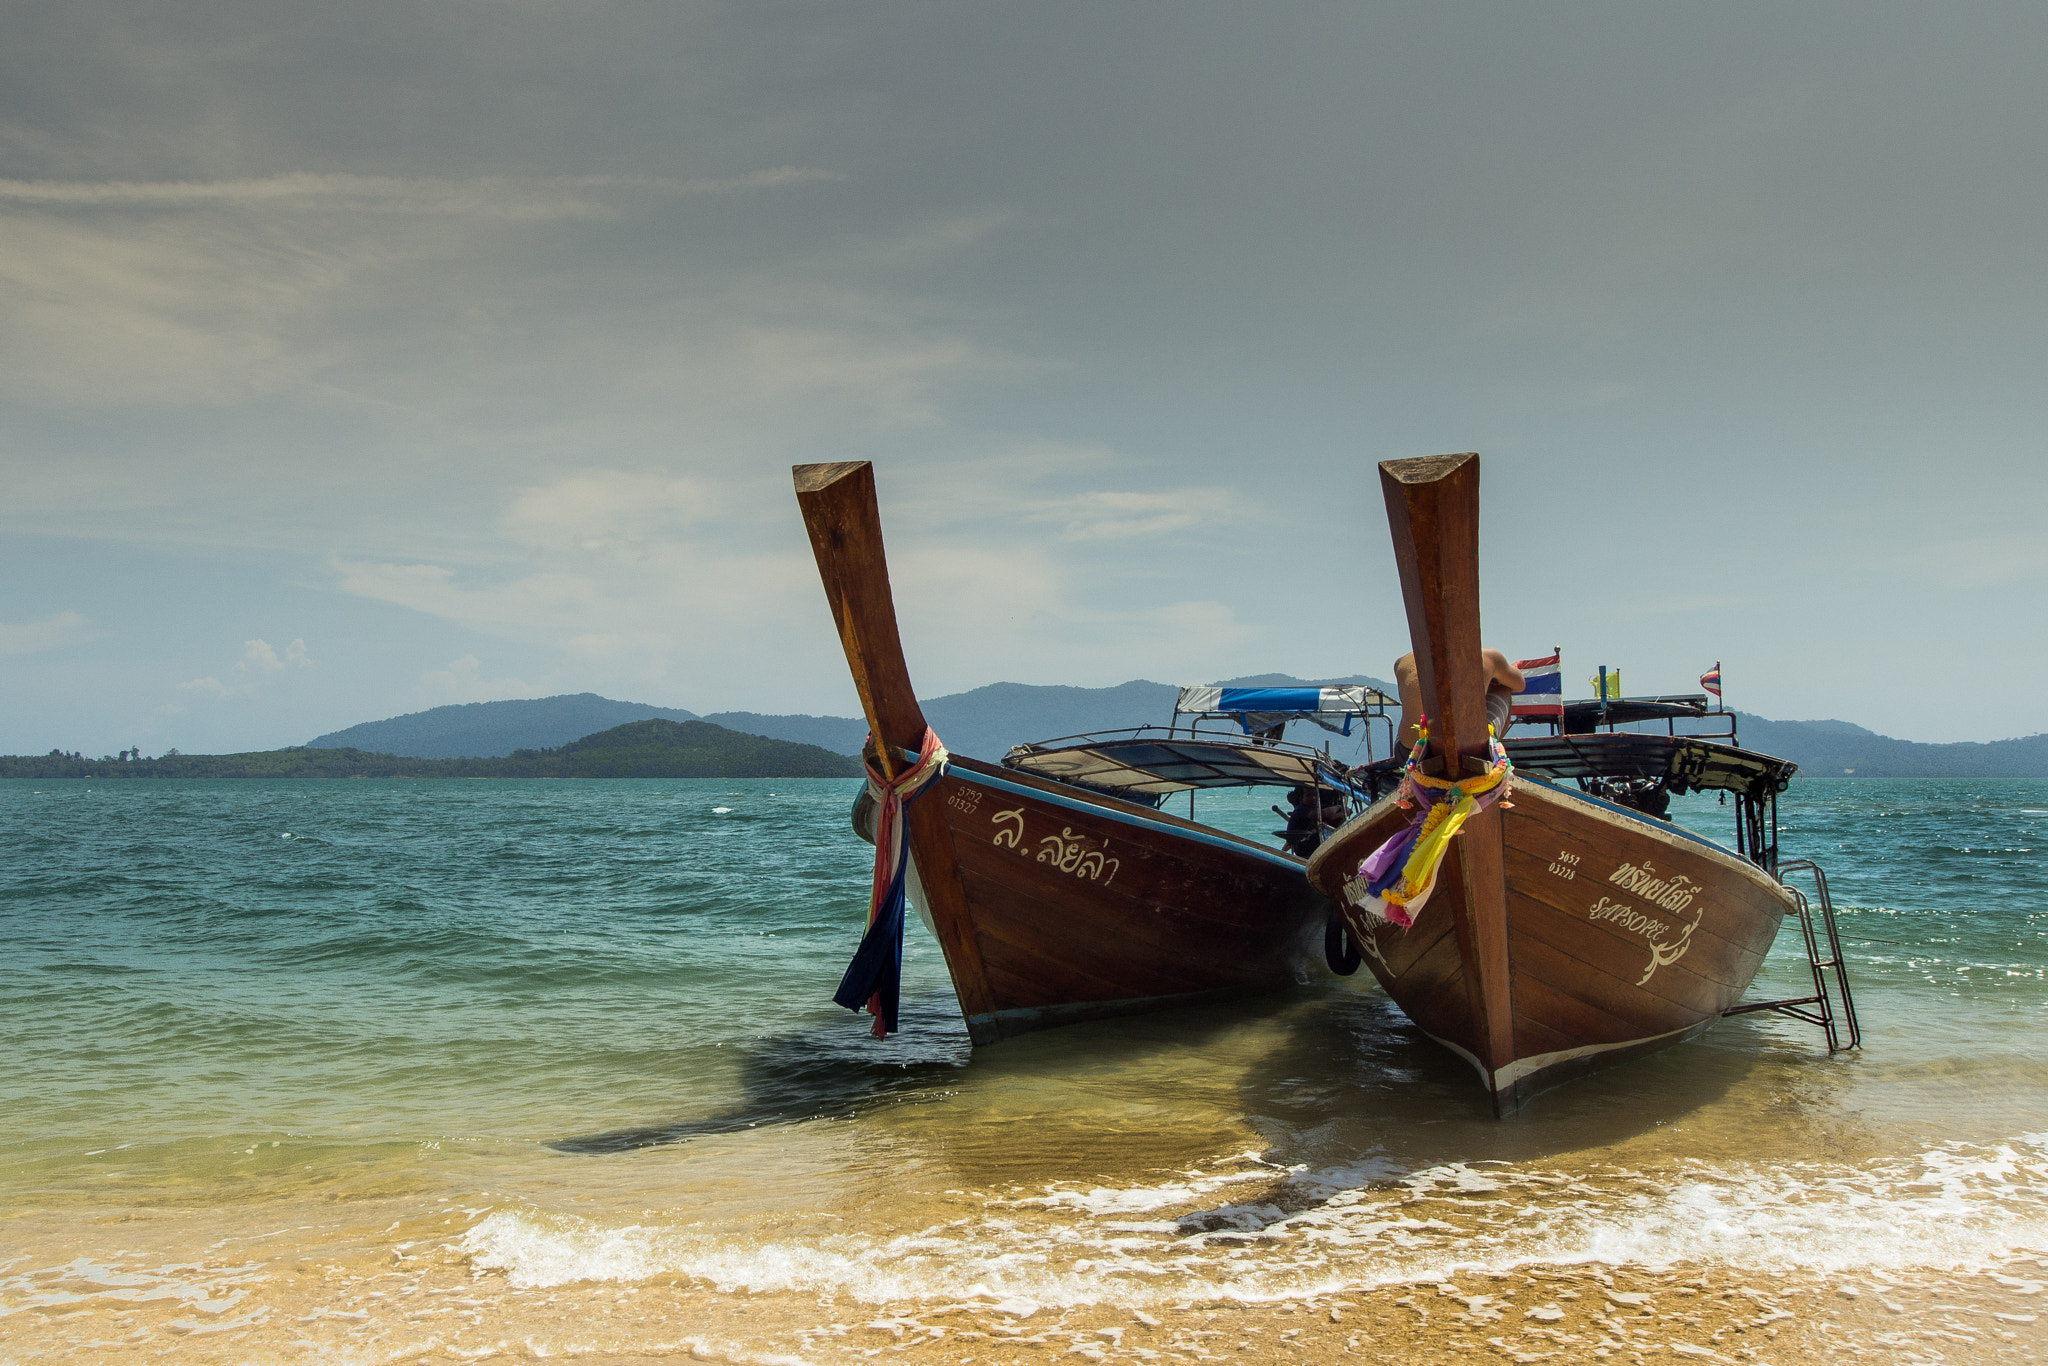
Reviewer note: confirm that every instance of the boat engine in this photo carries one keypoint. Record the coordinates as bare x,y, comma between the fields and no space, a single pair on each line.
1647,795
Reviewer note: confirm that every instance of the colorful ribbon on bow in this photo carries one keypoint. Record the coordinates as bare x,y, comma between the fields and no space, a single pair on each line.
874,980
1401,873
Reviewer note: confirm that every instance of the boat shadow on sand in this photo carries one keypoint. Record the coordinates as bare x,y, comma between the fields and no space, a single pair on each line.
1354,1085
814,1073
1346,1074
839,1073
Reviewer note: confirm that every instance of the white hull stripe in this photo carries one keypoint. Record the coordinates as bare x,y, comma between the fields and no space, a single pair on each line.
1526,1067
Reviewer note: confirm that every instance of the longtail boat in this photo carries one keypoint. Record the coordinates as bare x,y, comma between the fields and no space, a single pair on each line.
1567,927
1055,885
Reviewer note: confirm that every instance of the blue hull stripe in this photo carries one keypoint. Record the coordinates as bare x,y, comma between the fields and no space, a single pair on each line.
1668,827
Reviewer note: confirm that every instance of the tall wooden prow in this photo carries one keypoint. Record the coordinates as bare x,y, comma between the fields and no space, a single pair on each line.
845,526
1433,510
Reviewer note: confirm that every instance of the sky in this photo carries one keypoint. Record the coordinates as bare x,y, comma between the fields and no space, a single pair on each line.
358,359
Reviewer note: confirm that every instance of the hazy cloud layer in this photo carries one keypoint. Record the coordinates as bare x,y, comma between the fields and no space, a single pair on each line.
488,333
51,633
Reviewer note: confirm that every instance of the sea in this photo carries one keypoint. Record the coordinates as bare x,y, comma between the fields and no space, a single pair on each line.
456,1071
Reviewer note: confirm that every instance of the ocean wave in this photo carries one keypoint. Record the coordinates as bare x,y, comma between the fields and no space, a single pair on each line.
1958,1206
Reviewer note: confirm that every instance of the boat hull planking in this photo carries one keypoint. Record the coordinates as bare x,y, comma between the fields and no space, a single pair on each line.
1082,906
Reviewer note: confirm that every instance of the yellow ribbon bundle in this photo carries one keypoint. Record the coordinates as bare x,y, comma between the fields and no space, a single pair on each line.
1450,803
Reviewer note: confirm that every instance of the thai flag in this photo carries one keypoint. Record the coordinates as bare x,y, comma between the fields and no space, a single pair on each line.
1711,679
1542,694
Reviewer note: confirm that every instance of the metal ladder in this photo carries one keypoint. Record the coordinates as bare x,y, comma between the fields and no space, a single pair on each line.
1819,1008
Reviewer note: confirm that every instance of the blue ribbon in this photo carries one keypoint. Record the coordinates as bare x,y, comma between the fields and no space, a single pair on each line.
877,966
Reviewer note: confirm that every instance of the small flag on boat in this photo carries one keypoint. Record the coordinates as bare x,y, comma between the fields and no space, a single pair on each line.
1606,685
1711,679
1542,694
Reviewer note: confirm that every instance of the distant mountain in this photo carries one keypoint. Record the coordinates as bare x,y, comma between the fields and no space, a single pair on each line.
986,722
1833,749
640,749
840,734
489,729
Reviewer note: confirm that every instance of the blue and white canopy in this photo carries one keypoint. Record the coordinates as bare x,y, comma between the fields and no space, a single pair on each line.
1264,708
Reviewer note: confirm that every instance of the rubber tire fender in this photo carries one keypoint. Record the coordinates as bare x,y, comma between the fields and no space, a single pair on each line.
1338,950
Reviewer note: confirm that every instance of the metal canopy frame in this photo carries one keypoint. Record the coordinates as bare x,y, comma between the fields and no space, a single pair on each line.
1148,764
1686,763
1157,762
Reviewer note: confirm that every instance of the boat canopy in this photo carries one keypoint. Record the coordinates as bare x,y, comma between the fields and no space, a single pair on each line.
1260,709
1148,768
1581,717
1684,763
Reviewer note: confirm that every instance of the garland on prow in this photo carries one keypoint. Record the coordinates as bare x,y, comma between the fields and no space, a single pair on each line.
1401,873
874,980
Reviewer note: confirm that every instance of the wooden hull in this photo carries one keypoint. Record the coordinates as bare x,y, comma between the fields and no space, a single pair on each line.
1624,934
1051,904
1079,906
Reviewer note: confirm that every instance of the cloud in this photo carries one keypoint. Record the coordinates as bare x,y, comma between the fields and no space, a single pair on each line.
755,180
608,510
621,604
1988,561
532,606
214,292
969,614
882,367
463,681
33,637
1015,479
606,562
259,661
515,197
1105,515
1903,555
1622,604
259,657
93,313
642,578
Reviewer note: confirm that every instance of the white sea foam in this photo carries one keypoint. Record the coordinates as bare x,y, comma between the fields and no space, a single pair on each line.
85,1280
1103,1201
1960,1206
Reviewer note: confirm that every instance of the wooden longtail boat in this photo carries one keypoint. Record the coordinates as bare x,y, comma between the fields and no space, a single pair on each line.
1566,931
1053,902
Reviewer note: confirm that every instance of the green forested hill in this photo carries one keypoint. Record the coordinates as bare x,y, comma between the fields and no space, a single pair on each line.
639,749
492,729
678,749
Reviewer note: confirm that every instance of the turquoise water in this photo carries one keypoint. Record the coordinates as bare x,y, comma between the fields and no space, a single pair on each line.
556,1048
410,961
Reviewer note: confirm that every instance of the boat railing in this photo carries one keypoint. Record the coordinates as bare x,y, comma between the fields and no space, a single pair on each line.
1641,715
1723,719
1320,771
1836,1021
1185,732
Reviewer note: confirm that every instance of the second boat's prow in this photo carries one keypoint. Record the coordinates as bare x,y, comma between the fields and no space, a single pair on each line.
1567,927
